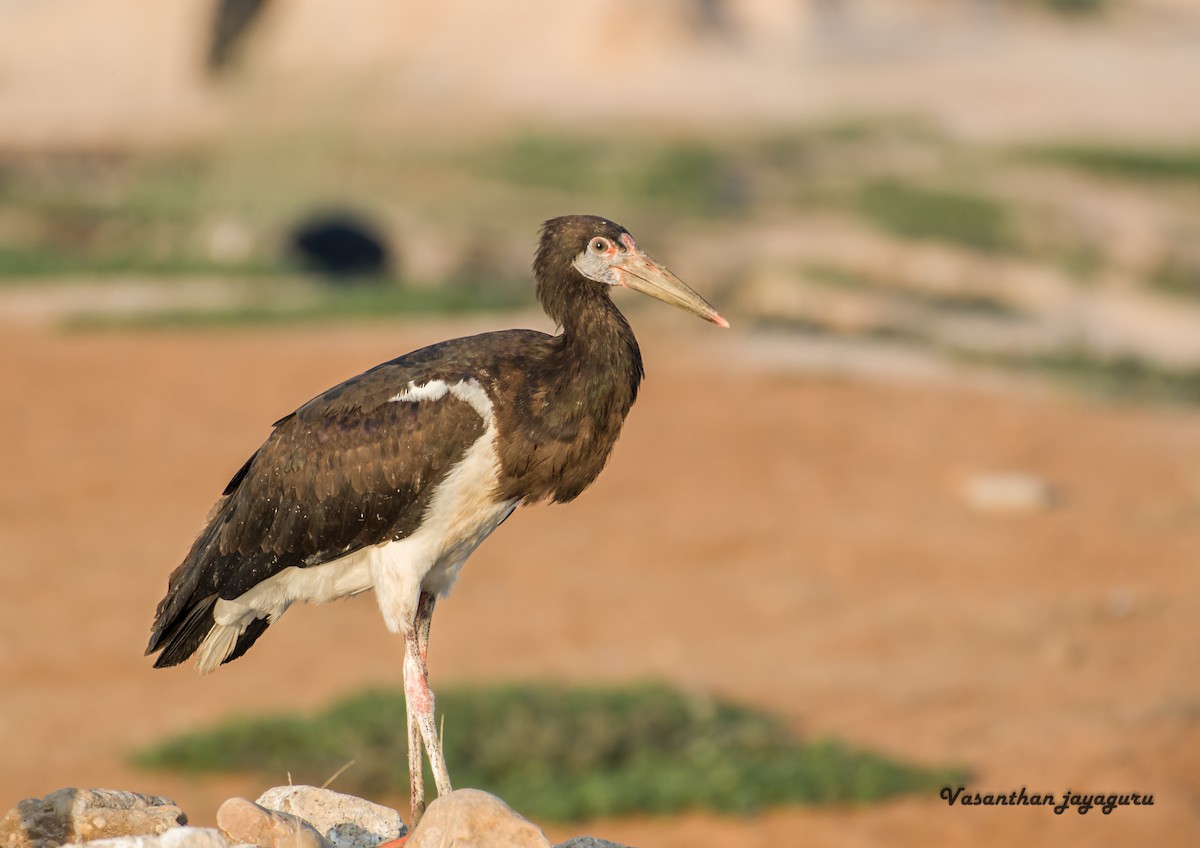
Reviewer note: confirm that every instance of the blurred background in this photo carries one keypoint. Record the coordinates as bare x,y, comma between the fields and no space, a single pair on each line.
936,494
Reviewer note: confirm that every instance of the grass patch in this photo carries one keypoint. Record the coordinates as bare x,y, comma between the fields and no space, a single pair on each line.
695,176
1177,277
682,175
21,263
1122,377
561,753
835,276
88,214
970,220
966,304
1127,162
565,164
1072,7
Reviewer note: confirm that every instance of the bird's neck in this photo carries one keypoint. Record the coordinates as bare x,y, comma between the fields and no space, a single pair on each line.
581,391
598,344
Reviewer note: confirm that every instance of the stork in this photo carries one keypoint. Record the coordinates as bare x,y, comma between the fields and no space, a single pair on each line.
390,480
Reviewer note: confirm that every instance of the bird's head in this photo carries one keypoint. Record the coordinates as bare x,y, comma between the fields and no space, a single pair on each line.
582,252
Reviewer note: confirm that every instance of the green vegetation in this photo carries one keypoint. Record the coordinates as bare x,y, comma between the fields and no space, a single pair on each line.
1127,162
560,753
228,209
971,220
566,164
1074,7
1177,276
1123,377
49,262
464,211
687,175
103,215
702,176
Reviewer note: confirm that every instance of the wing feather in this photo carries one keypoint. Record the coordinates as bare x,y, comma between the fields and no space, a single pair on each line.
347,470
351,468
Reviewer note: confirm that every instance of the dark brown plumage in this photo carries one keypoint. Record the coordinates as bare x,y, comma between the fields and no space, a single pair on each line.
392,478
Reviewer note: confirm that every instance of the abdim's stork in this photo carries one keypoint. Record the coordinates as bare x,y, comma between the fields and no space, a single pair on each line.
391,479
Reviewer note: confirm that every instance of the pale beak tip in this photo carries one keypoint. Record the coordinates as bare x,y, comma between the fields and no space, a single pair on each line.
718,320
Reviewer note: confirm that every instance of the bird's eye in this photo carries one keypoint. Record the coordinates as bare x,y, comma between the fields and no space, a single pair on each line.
600,245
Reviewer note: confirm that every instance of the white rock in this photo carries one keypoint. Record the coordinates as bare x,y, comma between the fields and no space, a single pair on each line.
1013,491
346,821
176,837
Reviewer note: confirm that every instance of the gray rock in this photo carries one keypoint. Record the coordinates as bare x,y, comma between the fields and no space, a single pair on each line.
346,821
469,818
589,842
176,837
243,821
84,815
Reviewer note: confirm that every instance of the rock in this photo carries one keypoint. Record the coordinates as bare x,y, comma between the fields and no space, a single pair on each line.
84,815
589,842
1010,492
346,821
243,821
176,837
469,818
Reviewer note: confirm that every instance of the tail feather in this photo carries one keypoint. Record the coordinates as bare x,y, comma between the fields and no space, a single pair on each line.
198,634
183,636
248,637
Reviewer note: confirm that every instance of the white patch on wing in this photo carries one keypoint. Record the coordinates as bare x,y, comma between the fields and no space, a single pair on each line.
468,390
462,512
433,390
473,393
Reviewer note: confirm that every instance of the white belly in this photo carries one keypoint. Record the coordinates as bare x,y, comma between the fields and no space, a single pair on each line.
462,513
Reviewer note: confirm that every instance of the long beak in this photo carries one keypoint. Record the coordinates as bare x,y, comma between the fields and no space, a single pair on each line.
637,271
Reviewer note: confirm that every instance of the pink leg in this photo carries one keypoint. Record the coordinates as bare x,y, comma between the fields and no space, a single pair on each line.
416,774
419,703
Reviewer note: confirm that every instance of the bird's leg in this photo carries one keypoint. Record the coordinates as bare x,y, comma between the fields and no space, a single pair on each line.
412,694
433,739
418,697
416,770
424,620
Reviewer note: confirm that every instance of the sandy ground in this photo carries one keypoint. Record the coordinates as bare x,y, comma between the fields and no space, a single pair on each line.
69,78
793,540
